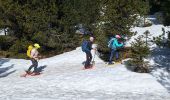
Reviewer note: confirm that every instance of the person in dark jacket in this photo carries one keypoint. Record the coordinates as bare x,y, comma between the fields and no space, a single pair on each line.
87,50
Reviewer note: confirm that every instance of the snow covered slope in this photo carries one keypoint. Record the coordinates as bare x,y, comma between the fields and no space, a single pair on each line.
160,57
155,30
64,79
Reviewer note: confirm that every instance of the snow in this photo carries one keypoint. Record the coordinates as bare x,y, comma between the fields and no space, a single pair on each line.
155,30
2,31
64,79
160,58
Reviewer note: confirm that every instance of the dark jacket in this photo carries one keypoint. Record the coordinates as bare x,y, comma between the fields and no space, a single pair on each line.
89,46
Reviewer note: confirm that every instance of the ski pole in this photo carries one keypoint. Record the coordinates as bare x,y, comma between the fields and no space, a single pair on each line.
93,62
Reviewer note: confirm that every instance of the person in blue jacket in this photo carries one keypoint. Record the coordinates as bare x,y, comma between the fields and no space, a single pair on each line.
87,47
114,44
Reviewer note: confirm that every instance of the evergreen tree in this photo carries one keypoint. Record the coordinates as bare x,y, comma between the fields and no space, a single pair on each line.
168,39
146,36
139,51
52,22
160,40
48,22
30,22
118,17
155,6
166,11
25,17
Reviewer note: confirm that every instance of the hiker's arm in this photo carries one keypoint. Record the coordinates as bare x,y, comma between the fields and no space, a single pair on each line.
88,50
39,56
32,53
93,48
117,44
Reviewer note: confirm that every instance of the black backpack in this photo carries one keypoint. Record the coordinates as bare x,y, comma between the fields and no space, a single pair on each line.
84,46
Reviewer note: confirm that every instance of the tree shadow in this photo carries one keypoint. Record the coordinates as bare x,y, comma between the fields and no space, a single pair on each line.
2,61
41,68
128,65
161,68
4,71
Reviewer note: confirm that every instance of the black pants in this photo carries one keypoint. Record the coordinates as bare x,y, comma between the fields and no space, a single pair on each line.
88,59
34,64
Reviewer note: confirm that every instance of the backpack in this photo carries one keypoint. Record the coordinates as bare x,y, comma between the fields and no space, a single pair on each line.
110,43
84,46
30,47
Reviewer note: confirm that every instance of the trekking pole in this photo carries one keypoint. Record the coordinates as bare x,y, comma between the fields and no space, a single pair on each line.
93,62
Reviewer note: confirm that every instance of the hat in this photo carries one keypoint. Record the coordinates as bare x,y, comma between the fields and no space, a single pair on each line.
118,36
36,45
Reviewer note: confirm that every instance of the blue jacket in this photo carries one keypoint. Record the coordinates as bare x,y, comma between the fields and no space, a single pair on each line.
86,46
113,43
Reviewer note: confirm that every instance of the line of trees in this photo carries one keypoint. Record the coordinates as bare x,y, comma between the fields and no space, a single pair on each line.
51,23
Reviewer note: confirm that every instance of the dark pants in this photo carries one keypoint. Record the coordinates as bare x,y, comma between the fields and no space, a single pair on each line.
34,64
112,53
88,59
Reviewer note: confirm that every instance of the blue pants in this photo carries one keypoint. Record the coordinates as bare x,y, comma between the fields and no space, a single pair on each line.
113,52
88,59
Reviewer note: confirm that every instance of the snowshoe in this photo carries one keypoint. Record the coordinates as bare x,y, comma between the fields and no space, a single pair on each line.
23,75
89,67
26,74
35,73
113,63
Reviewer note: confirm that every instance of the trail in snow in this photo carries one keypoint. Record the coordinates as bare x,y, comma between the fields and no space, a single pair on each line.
64,63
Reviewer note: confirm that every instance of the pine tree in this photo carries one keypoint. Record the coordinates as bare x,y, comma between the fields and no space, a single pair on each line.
139,51
168,39
118,17
166,11
155,6
146,36
49,23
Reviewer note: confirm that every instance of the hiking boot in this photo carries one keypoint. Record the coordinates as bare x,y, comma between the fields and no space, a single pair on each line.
111,63
87,67
28,72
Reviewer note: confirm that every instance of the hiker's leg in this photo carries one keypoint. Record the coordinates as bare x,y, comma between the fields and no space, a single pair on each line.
29,69
35,65
111,55
117,54
87,60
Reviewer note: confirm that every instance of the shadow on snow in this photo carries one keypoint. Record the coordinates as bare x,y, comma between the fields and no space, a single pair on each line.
5,71
161,69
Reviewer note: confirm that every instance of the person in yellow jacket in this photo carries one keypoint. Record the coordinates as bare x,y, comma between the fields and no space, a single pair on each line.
34,56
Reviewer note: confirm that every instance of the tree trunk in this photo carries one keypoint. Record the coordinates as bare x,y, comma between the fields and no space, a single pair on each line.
5,31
